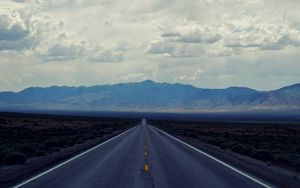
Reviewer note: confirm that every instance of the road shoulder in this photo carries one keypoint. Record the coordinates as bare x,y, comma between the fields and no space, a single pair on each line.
275,175
11,175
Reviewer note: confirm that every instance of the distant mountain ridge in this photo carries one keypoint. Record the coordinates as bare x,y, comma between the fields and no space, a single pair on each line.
148,96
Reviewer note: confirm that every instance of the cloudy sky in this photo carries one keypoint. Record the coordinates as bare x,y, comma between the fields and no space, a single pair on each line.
207,43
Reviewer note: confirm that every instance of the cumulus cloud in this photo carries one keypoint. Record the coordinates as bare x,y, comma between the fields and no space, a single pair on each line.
198,34
263,37
122,46
224,40
177,37
12,28
134,77
66,46
170,49
70,46
160,47
107,56
193,34
20,29
193,77
190,41
170,34
60,52
197,37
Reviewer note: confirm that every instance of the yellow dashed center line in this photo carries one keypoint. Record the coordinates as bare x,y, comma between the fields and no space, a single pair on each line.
146,167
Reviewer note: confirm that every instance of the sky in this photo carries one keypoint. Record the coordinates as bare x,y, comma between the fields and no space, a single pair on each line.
206,43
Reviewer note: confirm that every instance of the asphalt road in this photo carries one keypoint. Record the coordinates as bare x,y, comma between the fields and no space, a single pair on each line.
143,157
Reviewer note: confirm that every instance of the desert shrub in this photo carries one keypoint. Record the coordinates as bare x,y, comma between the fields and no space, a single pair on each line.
40,153
87,136
15,158
297,164
55,149
3,121
80,141
191,134
70,140
282,160
62,142
108,131
225,145
4,151
99,134
51,143
204,138
220,141
209,140
27,148
263,155
242,149
67,141
2,155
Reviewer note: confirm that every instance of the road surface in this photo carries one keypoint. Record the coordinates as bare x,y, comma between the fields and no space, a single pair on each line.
143,157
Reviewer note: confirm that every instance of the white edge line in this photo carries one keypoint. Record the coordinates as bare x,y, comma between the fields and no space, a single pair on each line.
69,160
219,161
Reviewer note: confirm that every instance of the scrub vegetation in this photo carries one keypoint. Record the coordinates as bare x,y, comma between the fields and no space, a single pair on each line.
276,143
30,136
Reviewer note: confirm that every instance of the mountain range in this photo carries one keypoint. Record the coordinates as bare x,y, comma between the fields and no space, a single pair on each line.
149,96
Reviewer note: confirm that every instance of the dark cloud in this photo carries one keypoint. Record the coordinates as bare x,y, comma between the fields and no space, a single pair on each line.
12,28
20,29
170,34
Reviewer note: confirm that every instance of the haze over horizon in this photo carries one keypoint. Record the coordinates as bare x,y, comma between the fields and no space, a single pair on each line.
207,43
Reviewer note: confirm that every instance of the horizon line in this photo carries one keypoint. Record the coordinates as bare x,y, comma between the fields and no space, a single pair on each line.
146,80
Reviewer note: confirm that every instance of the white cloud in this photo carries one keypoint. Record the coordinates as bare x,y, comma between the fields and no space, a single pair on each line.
193,77
66,46
224,40
174,37
106,56
21,30
263,37
198,34
171,49
160,47
134,77
60,52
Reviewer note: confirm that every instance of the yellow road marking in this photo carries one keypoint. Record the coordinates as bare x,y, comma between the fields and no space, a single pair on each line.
146,167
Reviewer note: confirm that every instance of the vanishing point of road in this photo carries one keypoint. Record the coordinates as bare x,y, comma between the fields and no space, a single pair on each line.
143,156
